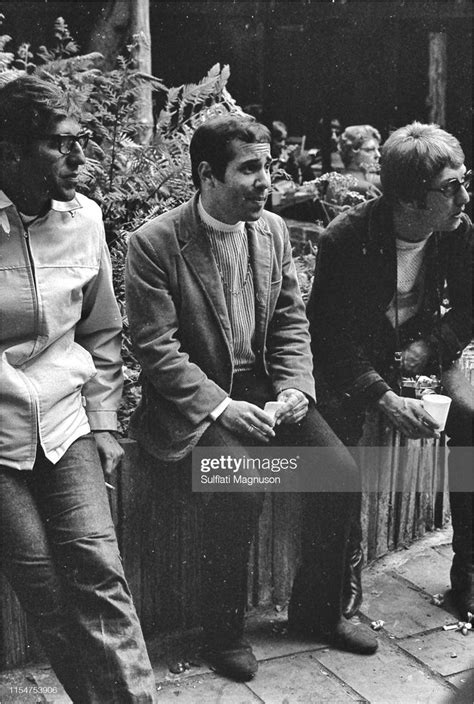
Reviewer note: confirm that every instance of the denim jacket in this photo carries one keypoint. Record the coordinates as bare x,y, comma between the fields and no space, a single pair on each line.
60,329
355,281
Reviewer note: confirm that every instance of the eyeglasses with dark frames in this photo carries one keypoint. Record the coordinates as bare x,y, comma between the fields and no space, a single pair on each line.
65,143
452,187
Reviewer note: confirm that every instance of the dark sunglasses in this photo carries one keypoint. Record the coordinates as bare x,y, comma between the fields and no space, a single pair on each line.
453,186
65,143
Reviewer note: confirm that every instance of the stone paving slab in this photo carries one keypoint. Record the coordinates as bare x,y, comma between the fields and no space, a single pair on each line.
206,690
430,572
32,685
445,550
462,678
14,688
465,682
270,638
390,676
299,679
446,652
405,610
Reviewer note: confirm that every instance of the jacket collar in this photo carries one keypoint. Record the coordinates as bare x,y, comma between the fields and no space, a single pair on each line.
190,232
380,234
56,205
196,250
68,206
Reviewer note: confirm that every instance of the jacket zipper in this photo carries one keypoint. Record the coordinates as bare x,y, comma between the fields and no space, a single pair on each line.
34,400
29,255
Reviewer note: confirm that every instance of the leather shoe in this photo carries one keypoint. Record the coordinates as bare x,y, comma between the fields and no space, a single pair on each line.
352,591
353,638
235,660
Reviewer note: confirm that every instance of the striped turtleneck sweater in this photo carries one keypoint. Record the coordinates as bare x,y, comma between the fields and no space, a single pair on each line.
230,247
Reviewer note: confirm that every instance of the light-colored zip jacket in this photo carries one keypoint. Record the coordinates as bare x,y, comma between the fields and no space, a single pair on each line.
60,331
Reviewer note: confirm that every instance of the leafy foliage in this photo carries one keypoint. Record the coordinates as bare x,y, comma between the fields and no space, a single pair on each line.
336,192
133,179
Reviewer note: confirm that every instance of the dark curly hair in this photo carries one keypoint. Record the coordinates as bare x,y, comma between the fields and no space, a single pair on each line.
30,106
212,142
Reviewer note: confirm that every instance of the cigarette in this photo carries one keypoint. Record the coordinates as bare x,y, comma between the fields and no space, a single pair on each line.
377,625
109,486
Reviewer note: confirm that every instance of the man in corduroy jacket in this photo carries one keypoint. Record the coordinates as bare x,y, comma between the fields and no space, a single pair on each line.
219,328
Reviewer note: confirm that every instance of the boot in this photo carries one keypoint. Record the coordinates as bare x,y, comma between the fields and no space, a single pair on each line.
342,635
462,570
462,589
352,591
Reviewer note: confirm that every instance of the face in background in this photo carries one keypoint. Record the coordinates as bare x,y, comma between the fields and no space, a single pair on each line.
443,210
243,192
279,138
367,157
336,129
47,174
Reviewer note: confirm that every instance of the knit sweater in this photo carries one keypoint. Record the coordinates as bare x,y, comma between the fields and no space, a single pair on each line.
229,244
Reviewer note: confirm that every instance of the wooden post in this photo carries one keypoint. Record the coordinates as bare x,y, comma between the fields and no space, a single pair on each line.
140,26
437,78
110,33
118,22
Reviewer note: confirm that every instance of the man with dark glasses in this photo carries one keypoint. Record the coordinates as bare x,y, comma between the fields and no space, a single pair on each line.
66,143
452,186
60,381
392,299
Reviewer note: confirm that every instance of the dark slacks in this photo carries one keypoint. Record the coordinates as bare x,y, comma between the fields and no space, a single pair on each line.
60,554
347,421
230,522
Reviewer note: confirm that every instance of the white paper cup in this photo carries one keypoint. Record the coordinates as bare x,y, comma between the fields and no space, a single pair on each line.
437,406
276,198
271,407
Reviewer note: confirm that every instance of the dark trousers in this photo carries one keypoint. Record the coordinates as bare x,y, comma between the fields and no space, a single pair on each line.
59,552
347,421
231,518
459,429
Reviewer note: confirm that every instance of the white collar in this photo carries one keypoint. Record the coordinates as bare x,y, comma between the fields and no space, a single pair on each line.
217,224
57,205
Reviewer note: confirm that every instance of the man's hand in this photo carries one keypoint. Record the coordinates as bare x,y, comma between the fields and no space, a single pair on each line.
110,451
295,408
408,416
415,357
247,420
